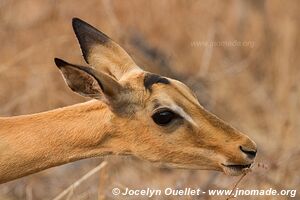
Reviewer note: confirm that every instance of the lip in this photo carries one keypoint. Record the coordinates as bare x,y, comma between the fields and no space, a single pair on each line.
236,169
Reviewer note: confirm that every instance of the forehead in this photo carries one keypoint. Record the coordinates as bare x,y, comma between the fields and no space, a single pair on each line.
184,91
167,89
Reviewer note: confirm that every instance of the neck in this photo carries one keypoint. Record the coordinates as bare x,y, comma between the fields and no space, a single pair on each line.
31,143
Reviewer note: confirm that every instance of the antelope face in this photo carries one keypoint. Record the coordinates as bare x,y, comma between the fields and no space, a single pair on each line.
159,119
181,133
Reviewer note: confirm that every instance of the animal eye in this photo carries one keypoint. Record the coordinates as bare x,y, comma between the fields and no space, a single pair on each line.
164,117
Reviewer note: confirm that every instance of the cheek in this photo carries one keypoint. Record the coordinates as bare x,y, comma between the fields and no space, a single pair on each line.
180,137
188,134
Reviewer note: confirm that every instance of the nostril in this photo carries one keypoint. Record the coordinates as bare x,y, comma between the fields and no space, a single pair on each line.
250,153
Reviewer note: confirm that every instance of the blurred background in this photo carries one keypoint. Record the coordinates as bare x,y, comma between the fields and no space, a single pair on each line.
240,57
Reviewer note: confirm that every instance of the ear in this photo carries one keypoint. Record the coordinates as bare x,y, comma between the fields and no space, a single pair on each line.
88,82
101,52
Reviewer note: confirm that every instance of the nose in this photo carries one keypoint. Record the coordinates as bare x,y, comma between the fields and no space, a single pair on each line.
251,153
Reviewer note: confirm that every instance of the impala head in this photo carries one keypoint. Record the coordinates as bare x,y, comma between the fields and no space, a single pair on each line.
161,119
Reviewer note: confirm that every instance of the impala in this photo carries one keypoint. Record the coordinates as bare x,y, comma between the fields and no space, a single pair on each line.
133,112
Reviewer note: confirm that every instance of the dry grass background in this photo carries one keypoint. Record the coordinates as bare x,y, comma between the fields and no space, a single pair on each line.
254,88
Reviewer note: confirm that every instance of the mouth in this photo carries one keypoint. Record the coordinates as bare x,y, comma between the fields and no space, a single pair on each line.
235,169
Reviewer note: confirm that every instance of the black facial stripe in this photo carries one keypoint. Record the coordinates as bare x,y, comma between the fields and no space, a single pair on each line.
151,79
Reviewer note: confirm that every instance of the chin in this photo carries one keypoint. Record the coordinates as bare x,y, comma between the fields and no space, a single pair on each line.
235,170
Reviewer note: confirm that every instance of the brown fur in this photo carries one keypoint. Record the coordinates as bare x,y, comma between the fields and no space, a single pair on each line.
119,122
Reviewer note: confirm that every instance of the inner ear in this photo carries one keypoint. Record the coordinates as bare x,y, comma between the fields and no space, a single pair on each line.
88,82
102,52
79,79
